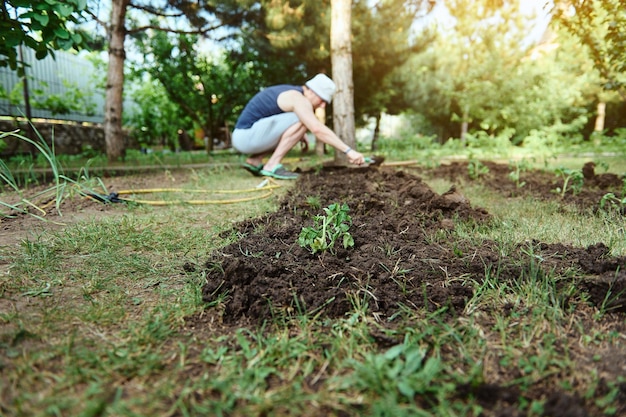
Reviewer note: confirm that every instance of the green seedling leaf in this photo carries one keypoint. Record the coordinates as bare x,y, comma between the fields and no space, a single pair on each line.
348,241
327,229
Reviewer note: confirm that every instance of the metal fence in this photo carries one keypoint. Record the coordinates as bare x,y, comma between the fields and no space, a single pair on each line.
61,88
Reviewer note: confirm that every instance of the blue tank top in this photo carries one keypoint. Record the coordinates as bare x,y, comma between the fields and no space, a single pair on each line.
263,104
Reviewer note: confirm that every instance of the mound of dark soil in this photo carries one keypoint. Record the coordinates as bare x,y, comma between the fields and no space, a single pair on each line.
543,185
404,254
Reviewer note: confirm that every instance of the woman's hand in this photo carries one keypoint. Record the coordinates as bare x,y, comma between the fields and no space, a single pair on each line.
355,157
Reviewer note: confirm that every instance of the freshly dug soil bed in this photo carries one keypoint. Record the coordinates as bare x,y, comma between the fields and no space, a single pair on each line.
405,253
539,184
407,256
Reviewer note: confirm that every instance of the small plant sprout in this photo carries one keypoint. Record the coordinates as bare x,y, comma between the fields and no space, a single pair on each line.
603,165
476,169
517,169
611,201
572,179
328,229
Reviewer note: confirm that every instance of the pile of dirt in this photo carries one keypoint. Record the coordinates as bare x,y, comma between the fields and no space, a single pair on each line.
404,252
540,184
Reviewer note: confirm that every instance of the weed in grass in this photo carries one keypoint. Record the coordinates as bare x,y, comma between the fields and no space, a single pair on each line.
399,276
61,189
314,202
402,371
611,299
247,253
606,402
609,202
389,250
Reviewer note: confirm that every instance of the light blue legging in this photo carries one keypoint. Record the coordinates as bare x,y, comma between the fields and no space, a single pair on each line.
263,136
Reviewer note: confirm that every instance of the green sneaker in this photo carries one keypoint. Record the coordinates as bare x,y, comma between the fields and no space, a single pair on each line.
280,173
253,169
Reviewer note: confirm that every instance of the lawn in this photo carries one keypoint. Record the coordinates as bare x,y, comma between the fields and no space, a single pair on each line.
471,288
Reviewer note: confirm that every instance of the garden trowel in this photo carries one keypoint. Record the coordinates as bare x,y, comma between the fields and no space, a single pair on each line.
374,161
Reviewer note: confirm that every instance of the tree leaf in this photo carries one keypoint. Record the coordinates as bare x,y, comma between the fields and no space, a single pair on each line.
61,33
42,19
64,10
12,39
22,3
41,53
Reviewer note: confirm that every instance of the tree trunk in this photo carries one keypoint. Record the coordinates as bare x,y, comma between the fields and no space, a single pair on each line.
464,126
113,133
599,126
376,134
341,58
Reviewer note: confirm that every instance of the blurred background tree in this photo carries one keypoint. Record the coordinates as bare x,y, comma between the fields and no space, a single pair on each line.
484,73
208,88
459,68
600,27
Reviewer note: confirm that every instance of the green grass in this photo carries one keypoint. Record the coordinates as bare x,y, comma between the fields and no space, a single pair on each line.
528,219
94,320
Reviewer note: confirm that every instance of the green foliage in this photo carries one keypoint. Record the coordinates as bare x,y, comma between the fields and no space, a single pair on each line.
407,144
378,86
60,189
473,74
327,229
498,142
601,26
284,44
156,119
314,202
610,201
43,26
15,96
573,179
209,92
476,169
74,98
402,371
517,168
616,142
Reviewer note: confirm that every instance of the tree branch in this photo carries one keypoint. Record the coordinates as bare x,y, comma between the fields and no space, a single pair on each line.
199,31
96,19
155,11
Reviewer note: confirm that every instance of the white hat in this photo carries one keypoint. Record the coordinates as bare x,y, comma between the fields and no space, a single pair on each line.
322,86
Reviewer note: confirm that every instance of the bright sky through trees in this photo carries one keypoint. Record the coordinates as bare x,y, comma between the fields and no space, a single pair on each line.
536,10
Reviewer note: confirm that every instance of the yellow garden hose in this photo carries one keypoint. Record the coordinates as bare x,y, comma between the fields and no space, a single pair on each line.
197,202
267,184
